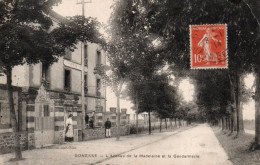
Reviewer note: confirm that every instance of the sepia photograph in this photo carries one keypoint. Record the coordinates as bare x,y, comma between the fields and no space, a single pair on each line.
129,82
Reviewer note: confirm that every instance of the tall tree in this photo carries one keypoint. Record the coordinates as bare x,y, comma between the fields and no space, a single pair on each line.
25,38
254,5
213,93
131,54
154,95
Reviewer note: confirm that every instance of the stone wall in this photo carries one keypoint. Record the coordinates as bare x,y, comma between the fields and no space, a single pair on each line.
7,142
99,133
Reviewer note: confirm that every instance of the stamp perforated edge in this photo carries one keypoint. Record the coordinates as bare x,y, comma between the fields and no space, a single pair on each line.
213,67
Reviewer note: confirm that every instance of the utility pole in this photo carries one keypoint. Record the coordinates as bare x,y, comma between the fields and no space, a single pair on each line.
136,122
82,2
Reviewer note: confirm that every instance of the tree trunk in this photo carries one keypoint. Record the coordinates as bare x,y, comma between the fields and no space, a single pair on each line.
222,123
233,106
175,125
118,118
257,107
226,122
240,125
136,112
160,124
231,122
179,122
136,123
18,153
166,123
149,118
118,111
235,120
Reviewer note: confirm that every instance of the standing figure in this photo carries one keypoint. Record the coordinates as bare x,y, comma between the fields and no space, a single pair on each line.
69,129
107,128
87,120
92,120
206,42
91,124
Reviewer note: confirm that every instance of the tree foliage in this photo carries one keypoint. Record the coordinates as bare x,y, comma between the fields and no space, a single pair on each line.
168,21
155,95
25,37
213,93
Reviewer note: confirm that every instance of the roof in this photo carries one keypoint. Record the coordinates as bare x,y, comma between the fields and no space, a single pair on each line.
57,16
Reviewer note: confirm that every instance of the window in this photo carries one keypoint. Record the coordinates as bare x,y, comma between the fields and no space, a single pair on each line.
85,80
46,111
67,80
99,108
98,62
86,55
67,54
98,86
86,107
113,110
45,75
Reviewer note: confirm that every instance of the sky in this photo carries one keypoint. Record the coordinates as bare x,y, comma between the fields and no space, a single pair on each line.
187,90
101,9
249,107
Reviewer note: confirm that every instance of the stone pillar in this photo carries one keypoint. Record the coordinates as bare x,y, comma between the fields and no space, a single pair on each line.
59,124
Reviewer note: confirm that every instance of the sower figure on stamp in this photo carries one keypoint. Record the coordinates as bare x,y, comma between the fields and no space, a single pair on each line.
107,127
69,129
206,43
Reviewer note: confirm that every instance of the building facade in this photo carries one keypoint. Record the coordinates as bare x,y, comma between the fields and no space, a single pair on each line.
45,95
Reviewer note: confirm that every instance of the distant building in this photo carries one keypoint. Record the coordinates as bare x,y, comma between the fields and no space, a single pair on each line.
124,117
143,118
101,116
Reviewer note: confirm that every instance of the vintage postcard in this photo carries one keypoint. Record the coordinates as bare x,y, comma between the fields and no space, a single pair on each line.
129,82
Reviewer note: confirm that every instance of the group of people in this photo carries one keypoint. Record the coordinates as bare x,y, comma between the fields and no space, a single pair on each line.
69,127
89,121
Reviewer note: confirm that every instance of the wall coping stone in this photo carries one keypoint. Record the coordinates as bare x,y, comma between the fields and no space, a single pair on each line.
8,130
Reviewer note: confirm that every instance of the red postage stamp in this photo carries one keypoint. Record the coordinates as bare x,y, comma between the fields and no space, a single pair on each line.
208,46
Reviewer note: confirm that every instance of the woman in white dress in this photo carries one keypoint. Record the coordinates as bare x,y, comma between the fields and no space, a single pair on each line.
69,129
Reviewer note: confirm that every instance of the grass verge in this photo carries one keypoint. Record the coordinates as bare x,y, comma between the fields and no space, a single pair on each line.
237,148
